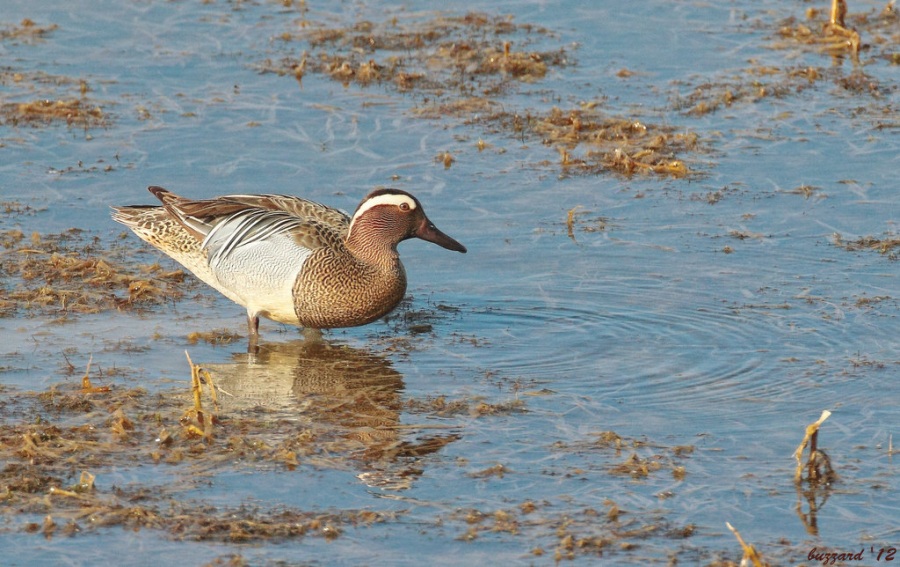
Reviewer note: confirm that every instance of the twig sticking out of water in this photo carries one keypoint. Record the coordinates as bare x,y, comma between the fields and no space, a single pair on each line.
86,379
570,222
195,420
818,464
86,386
751,556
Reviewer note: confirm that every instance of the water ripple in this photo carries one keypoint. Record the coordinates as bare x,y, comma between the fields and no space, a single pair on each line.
648,344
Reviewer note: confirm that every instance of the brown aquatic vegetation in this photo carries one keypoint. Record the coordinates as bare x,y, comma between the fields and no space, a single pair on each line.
577,219
27,30
411,321
569,534
74,112
462,67
831,37
751,85
79,507
51,462
463,64
213,337
833,32
636,466
56,442
455,53
608,143
465,108
886,246
642,459
866,301
839,32
69,273
814,488
17,208
440,406
49,99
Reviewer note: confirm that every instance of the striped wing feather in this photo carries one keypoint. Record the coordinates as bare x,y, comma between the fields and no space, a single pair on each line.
225,223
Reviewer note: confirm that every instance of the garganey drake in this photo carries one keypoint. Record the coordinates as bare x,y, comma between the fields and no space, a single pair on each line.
289,259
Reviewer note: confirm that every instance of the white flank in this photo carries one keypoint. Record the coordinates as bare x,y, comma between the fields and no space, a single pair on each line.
255,261
262,274
388,199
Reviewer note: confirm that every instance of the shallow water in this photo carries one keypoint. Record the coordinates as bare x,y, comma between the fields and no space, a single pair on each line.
714,311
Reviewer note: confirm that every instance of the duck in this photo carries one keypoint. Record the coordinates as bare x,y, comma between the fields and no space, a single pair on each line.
289,259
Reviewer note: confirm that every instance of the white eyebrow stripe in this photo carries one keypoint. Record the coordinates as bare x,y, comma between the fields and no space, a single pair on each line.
388,199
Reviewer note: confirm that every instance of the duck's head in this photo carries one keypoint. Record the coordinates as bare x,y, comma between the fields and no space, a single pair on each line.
390,216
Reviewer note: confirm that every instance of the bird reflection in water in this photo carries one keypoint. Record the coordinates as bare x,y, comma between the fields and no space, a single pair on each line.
349,399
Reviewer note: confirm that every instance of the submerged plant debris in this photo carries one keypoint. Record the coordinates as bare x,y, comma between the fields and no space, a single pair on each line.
837,31
464,66
750,85
639,458
859,37
464,54
886,245
58,445
27,31
72,273
73,112
37,99
605,143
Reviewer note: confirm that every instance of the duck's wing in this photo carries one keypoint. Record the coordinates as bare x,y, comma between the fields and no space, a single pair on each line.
301,208
225,224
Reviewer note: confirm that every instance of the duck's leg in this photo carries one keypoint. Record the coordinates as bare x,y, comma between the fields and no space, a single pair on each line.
253,328
311,335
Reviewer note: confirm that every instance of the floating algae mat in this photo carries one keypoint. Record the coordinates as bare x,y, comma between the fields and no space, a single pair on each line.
69,273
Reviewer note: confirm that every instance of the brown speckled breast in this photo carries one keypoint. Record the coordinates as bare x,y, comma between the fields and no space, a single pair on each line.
335,289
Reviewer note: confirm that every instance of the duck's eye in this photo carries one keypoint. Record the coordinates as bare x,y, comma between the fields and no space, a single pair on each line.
404,207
